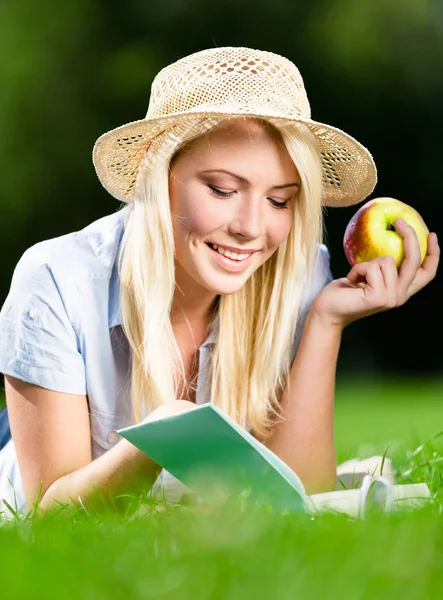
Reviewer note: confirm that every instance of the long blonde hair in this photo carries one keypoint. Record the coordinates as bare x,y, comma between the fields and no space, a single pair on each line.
251,357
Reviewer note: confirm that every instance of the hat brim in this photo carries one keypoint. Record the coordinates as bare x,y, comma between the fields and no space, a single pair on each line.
349,172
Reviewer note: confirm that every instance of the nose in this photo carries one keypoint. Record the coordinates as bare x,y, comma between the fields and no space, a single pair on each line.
247,220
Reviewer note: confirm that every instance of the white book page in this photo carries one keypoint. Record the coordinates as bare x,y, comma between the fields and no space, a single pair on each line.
354,501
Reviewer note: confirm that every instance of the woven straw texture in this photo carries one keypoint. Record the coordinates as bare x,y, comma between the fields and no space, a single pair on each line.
222,82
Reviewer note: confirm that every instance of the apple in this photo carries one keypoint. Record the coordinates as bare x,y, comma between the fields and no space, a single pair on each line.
371,232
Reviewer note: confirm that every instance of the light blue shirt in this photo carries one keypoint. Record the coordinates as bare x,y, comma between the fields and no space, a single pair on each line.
60,328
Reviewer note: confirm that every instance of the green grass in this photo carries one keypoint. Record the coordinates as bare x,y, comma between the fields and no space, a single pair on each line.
399,414
234,553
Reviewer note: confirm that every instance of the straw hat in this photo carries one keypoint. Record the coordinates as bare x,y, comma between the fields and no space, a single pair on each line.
230,81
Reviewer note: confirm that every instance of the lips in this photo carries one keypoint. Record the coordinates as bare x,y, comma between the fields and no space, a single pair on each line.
232,249
229,264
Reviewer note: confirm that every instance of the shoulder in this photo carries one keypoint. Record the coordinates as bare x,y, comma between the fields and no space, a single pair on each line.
323,257
320,276
322,265
68,275
86,254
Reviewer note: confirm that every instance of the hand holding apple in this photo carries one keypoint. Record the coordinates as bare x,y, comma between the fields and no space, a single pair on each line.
382,276
371,232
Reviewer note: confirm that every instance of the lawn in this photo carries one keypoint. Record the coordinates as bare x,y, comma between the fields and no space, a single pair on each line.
233,553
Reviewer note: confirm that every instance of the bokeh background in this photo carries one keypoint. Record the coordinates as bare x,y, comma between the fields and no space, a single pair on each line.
71,70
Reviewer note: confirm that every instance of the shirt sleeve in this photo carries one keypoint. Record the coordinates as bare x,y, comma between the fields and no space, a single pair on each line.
38,343
322,276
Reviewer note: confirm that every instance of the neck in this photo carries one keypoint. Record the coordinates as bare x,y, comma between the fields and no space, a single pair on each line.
187,311
192,306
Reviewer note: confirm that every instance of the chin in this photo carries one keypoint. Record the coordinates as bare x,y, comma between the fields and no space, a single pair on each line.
225,288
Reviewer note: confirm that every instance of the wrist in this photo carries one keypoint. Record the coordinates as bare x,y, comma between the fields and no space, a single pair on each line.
325,322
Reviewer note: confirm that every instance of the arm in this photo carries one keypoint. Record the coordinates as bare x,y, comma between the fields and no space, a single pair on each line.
304,438
52,438
45,384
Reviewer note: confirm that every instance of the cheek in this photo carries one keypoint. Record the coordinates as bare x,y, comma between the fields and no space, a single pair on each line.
280,228
203,221
196,217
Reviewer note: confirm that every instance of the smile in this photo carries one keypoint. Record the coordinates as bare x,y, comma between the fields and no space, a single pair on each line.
238,256
233,262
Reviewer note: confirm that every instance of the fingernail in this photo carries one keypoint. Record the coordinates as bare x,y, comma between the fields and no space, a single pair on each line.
401,221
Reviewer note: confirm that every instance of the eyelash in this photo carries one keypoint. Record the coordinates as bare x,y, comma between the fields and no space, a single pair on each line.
221,194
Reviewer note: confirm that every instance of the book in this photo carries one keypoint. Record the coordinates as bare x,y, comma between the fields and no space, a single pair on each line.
217,459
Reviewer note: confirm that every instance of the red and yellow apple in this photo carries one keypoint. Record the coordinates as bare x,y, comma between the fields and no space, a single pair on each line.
371,232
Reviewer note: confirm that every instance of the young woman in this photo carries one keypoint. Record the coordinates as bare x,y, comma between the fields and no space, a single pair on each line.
210,284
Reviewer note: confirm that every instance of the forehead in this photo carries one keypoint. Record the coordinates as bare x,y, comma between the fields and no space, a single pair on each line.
243,144
239,130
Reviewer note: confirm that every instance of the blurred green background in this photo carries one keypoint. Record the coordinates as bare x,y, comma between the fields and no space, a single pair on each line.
71,71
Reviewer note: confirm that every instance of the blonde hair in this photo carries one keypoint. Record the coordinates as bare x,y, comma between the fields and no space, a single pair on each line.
257,323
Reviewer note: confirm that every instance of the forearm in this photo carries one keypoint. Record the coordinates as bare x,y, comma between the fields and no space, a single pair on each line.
304,438
121,470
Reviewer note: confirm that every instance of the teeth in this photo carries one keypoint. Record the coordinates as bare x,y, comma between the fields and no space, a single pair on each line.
230,254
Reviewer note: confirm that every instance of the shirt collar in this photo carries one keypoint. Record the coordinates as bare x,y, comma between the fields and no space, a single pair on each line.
114,317
212,337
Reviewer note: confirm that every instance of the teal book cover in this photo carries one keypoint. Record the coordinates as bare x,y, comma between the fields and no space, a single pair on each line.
213,456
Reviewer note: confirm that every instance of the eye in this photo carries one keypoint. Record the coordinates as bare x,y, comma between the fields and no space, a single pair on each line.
279,204
216,192
219,193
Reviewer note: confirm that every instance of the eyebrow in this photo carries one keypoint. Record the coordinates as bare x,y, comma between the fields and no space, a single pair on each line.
240,178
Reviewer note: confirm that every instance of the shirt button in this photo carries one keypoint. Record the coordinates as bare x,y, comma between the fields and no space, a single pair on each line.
113,437
34,313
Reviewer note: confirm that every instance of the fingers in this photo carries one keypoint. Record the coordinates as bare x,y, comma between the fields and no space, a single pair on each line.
370,276
380,275
383,286
432,259
429,268
366,272
390,278
412,261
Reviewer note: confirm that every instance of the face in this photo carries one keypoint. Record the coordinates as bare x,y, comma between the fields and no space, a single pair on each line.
231,195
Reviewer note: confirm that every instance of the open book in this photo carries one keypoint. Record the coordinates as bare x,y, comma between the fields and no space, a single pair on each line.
216,458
